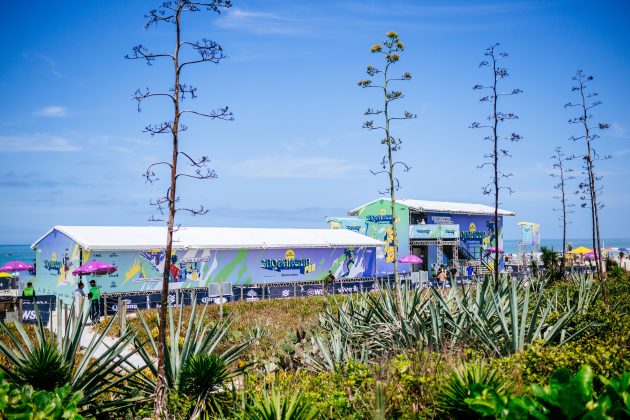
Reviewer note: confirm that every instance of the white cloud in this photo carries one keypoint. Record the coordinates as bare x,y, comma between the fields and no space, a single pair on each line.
51,64
52,111
259,22
618,131
36,143
292,167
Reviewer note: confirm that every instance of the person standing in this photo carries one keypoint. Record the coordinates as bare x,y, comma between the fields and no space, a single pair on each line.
453,272
330,279
79,296
95,302
28,292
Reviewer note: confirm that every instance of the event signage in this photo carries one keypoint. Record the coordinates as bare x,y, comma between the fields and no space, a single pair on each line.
289,262
379,218
45,305
433,231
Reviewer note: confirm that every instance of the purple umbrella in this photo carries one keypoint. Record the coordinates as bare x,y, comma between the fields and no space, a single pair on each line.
95,267
410,259
493,249
13,266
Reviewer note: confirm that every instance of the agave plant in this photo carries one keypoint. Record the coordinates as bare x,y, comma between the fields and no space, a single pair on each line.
53,360
274,406
463,383
192,364
505,318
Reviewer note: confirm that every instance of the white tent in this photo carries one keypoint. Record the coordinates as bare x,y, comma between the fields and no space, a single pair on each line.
152,237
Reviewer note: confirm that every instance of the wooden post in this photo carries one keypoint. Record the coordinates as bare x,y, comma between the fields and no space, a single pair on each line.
221,301
20,310
294,289
241,292
122,316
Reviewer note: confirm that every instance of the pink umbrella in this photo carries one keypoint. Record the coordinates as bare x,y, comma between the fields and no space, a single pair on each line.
95,267
13,266
410,259
493,249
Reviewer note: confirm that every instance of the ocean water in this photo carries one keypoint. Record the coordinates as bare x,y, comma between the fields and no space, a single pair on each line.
16,253
510,246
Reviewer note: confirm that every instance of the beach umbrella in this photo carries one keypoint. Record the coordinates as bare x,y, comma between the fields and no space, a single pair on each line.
410,259
5,276
610,249
581,250
623,249
95,267
493,249
13,266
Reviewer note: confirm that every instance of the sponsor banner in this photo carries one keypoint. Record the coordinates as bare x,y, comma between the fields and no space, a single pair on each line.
132,302
311,290
45,304
280,292
252,293
345,288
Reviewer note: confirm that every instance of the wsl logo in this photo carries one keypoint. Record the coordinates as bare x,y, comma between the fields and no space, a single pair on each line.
288,263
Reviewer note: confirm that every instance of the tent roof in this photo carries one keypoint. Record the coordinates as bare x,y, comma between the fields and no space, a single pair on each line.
441,207
150,237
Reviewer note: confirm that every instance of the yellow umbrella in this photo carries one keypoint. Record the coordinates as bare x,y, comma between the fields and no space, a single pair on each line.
4,275
581,250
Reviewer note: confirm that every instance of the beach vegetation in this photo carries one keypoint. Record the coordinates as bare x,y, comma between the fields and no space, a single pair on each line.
105,380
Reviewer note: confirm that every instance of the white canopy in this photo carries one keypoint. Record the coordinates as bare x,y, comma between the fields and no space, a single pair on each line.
442,207
153,237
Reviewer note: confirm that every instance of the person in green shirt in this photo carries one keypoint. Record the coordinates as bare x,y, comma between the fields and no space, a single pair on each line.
29,292
95,302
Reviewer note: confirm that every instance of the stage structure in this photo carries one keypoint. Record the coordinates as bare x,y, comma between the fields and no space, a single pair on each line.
440,233
202,257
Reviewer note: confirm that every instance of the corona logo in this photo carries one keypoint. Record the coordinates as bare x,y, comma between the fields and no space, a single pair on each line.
382,212
289,255
472,227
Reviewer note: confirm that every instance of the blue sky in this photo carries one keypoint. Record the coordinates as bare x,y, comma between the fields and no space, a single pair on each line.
72,149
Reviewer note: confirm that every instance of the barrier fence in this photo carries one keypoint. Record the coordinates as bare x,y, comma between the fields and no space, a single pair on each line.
111,303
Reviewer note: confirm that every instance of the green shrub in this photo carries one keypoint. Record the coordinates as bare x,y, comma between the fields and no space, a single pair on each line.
275,406
26,403
565,397
464,383
347,392
414,384
537,362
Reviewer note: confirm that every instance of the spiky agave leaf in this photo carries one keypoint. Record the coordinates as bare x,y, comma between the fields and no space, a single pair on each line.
44,368
461,385
199,340
92,374
274,406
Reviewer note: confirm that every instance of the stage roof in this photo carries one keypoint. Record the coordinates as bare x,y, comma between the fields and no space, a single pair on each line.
441,207
154,237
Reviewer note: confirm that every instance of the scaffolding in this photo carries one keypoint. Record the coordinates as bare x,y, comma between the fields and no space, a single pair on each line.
440,244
